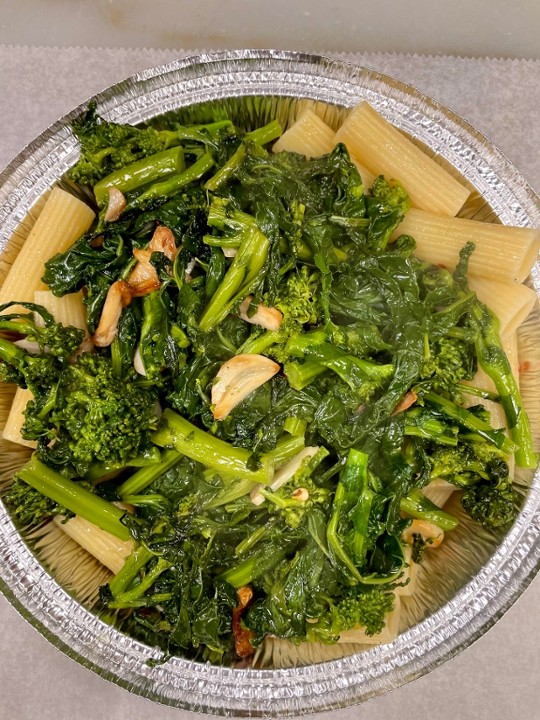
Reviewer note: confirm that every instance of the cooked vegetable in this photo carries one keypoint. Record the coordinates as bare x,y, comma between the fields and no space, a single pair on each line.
275,381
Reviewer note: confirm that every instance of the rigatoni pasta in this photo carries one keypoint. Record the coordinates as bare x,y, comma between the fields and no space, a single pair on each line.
309,136
63,220
68,310
511,302
385,150
502,253
15,420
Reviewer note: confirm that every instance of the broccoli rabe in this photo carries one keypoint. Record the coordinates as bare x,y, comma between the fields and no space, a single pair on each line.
359,608
108,146
493,507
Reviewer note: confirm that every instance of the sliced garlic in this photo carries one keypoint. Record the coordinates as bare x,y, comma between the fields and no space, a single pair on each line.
268,318
285,473
144,278
237,378
138,362
118,297
163,241
117,204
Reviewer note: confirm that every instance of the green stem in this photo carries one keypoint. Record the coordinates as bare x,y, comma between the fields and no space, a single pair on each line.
242,273
471,422
188,439
144,477
176,182
149,169
131,568
75,498
418,506
125,599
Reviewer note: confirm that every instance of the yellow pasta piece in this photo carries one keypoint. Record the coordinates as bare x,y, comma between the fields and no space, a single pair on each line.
68,310
367,176
387,634
438,491
385,150
15,419
502,253
510,302
308,136
64,218
108,549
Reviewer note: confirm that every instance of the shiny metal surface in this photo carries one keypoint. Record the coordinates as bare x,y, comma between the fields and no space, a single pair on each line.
253,86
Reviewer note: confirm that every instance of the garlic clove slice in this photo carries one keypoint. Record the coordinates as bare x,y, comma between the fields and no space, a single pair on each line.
268,318
118,297
285,473
163,241
237,378
117,204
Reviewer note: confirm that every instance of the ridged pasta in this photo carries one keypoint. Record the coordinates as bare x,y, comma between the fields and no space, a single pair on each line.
68,310
308,136
108,549
510,302
502,253
63,219
438,491
15,419
385,150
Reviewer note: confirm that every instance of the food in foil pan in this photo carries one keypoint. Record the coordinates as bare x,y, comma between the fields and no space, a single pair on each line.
265,377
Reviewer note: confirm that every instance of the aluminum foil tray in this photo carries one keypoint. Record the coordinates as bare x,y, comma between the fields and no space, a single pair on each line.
251,87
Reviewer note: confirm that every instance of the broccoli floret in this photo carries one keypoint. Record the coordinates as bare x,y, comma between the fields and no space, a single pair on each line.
299,298
30,507
358,608
296,498
57,339
367,609
449,361
36,371
108,146
468,464
95,416
390,193
493,507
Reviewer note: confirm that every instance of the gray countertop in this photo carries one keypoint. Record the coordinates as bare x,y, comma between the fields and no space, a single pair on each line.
495,679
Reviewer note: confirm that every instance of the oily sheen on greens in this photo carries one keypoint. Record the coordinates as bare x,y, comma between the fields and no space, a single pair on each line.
373,347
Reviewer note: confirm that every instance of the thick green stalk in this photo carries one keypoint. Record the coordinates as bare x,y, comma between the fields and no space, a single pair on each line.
471,422
418,506
300,375
130,596
242,273
74,497
175,431
144,477
130,570
174,183
148,170
257,565
493,361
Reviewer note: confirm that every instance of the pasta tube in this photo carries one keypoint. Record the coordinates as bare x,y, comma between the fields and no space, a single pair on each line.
15,419
68,310
64,218
309,136
502,253
108,549
510,302
385,150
